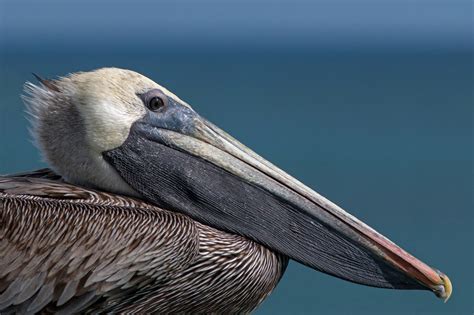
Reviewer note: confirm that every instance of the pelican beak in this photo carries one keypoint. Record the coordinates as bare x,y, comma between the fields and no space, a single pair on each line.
182,162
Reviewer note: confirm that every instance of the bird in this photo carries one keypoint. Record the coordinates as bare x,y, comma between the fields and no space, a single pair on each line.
147,207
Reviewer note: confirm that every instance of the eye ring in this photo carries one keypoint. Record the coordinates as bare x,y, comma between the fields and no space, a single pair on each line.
155,103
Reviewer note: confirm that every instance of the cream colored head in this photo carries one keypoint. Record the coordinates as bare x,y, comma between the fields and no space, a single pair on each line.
81,115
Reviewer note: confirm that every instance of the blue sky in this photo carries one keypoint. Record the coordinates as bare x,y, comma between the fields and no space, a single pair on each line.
335,23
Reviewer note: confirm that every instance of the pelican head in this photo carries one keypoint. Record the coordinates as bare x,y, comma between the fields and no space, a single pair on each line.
77,118
119,131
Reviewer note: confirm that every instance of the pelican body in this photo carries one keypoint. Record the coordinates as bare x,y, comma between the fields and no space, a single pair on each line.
91,250
148,207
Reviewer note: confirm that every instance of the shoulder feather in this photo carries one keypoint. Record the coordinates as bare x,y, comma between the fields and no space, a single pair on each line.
64,247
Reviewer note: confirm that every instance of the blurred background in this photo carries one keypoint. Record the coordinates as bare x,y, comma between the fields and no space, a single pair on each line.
368,102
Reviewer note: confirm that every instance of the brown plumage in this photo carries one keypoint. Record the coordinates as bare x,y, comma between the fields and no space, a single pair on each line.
69,249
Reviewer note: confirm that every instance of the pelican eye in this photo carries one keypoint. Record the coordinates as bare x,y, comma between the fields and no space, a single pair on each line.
155,103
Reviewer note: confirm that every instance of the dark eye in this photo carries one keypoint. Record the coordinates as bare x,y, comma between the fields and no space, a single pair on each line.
155,103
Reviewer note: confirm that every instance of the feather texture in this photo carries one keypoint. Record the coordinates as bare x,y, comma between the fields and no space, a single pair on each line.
64,248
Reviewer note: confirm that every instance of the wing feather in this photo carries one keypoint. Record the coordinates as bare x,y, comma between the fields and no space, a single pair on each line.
64,247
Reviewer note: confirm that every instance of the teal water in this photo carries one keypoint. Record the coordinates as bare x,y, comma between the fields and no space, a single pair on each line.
387,135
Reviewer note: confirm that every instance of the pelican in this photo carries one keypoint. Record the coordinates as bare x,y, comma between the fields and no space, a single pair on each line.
148,207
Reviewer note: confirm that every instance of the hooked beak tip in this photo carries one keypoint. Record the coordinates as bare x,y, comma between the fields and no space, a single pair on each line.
444,290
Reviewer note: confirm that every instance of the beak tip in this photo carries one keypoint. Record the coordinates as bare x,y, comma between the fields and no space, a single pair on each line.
444,290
